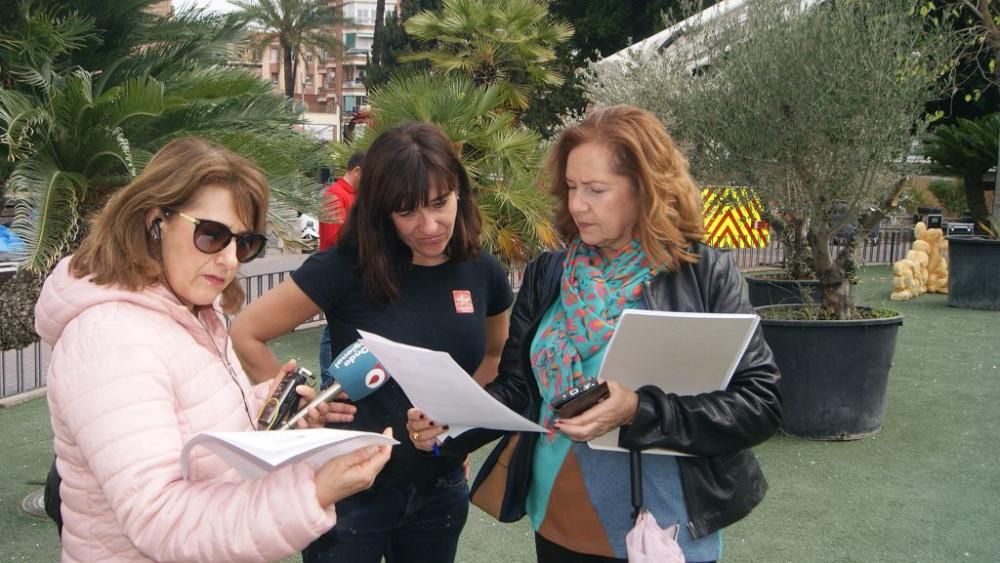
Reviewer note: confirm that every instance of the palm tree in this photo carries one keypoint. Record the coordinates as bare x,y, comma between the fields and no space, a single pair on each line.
509,44
502,158
75,135
967,149
71,135
300,26
377,36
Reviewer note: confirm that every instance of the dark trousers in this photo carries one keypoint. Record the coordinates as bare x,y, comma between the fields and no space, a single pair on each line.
403,523
53,501
549,552
325,356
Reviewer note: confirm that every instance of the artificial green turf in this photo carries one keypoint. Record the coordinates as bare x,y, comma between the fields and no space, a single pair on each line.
924,489
26,451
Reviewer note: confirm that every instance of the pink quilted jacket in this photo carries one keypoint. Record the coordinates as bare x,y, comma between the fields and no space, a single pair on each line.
133,376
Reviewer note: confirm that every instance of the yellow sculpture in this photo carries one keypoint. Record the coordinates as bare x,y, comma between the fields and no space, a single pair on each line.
904,287
937,264
925,268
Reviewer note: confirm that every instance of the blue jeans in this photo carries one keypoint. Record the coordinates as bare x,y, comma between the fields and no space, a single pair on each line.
325,356
403,523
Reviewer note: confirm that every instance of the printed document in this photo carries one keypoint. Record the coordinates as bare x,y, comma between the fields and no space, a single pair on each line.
440,388
253,454
682,353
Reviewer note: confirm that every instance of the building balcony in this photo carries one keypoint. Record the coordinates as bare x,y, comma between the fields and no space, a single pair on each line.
356,56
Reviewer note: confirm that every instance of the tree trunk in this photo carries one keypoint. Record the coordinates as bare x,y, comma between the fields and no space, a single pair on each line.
379,26
836,286
288,56
975,198
18,295
797,255
986,15
996,183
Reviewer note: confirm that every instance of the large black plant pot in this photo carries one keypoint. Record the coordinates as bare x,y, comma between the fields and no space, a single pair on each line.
765,290
834,374
973,273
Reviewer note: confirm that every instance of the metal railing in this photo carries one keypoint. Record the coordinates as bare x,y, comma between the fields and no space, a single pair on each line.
25,369
890,245
258,284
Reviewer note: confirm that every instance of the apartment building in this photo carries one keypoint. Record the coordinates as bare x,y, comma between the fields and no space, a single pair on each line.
331,90
357,39
162,8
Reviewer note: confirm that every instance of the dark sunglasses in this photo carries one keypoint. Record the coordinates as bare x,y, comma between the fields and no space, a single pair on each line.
212,237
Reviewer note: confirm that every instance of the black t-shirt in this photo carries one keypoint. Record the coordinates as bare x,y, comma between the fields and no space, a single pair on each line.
440,307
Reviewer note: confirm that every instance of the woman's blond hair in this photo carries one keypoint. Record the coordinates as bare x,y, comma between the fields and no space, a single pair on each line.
670,216
120,251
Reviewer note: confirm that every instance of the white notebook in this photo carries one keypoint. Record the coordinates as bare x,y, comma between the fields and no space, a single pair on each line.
253,454
682,353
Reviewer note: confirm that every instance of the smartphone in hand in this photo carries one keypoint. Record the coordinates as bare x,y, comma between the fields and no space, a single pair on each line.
580,398
284,401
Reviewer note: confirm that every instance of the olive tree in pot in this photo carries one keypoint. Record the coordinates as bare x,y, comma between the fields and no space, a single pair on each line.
968,149
815,105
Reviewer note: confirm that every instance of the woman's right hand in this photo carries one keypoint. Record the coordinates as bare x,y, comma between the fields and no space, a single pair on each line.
422,431
350,473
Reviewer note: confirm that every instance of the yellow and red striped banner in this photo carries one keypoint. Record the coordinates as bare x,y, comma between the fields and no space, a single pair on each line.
733,218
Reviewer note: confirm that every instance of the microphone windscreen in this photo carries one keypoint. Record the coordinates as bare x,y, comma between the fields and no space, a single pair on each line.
357,371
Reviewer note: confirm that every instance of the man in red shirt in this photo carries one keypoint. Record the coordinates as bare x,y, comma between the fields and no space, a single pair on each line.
339,199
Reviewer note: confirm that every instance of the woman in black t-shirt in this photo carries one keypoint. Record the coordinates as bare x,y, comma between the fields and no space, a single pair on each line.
408,267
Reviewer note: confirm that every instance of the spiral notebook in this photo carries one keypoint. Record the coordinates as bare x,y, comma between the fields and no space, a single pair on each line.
682,353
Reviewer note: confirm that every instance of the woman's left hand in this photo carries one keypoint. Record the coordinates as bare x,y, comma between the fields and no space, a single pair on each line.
618,409
317,416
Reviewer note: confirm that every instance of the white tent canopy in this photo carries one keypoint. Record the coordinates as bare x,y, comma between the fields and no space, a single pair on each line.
683,38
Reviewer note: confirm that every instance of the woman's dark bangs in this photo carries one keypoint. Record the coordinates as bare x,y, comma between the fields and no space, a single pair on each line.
422,182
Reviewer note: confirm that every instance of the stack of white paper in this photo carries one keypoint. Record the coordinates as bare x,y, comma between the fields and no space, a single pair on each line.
440,388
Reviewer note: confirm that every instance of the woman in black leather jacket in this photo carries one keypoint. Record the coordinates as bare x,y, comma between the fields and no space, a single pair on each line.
632,215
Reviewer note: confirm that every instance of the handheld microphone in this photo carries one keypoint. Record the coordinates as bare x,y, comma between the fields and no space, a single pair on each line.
355,370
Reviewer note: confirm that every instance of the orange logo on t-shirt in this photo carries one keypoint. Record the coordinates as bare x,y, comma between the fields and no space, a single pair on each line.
463,301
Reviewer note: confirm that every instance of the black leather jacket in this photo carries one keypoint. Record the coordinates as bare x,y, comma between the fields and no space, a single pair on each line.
724,483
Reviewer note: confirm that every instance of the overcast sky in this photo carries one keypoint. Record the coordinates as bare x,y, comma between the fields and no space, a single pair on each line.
213,5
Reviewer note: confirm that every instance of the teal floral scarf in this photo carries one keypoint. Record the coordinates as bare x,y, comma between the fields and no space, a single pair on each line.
595,290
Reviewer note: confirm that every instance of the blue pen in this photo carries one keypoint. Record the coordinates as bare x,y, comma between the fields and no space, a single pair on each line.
437,450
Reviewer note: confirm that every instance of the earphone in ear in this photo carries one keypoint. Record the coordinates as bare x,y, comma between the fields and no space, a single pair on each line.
154,229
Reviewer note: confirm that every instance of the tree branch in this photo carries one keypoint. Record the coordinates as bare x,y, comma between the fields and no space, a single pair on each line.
874,216
975,9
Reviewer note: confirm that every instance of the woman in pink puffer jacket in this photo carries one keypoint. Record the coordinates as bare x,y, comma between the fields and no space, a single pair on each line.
142,362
